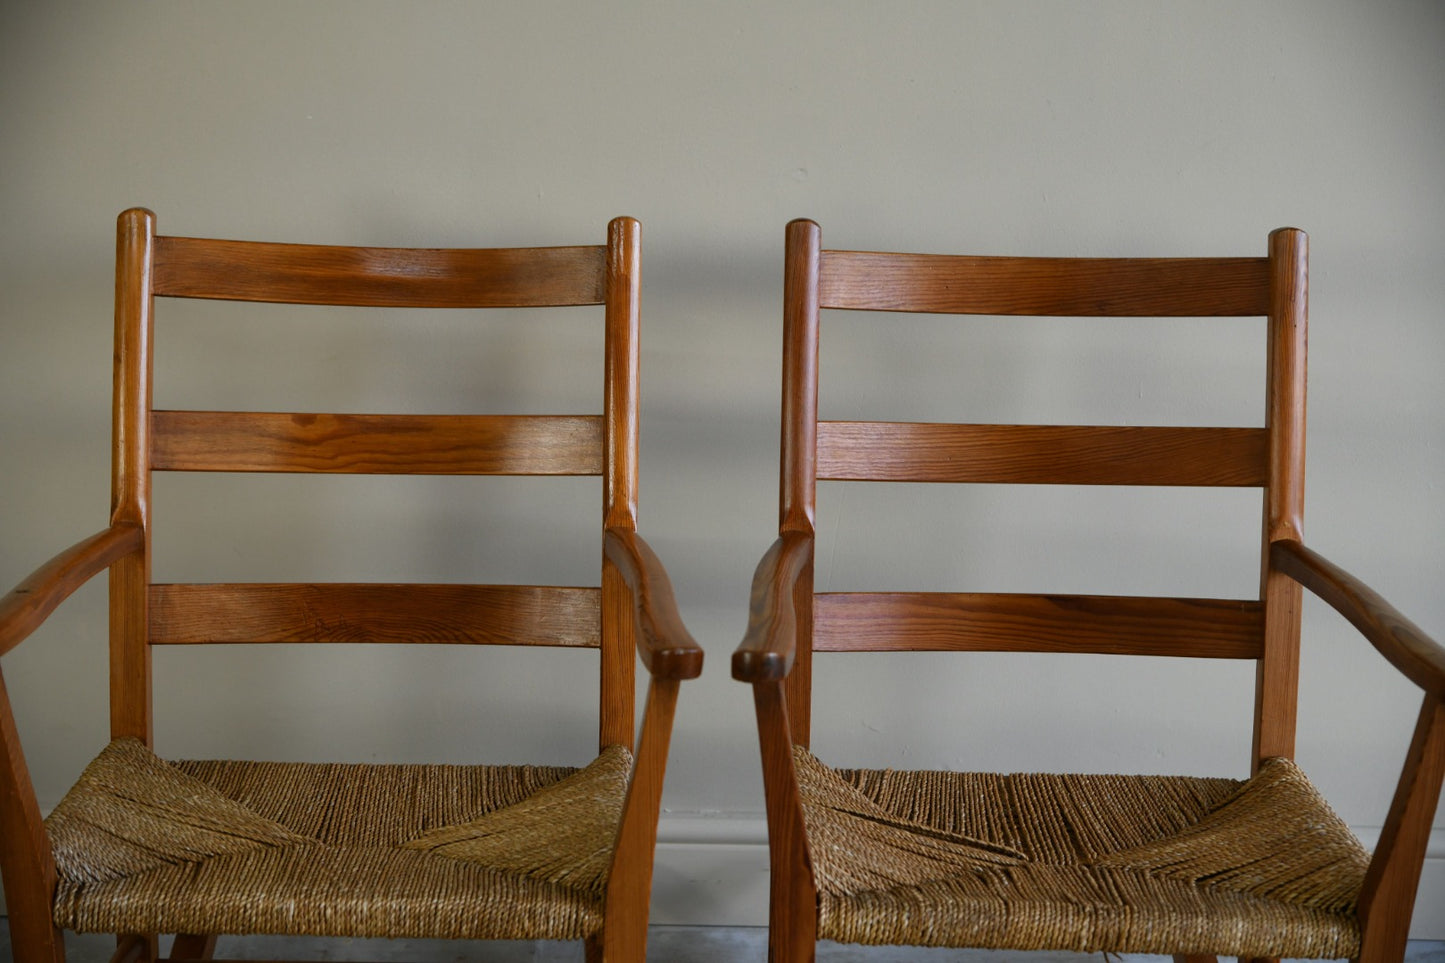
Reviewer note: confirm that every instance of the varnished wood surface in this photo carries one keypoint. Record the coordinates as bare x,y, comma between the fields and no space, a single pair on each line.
793,893
1119,625
665,646
798,459
390,444
26,864
1041,454
1083,287
1408,648
622,373
1392,880
378,277
621,382
770,644
629,881
26,606
184,614
130,657
1276,691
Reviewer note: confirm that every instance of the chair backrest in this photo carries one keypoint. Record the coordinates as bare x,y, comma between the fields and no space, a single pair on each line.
1264,628
146,440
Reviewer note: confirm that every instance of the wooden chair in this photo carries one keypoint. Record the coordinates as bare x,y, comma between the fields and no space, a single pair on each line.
141,846
1192,867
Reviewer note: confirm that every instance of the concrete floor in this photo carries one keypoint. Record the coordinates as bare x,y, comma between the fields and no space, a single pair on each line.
668,944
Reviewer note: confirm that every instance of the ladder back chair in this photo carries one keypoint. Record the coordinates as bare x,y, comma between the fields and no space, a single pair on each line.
142,846
1195,867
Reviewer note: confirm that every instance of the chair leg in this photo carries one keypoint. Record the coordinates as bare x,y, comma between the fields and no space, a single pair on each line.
136,949
36,939
593,946
1190,958
189,946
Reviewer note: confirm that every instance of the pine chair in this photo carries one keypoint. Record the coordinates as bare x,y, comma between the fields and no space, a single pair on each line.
141,846
1257,868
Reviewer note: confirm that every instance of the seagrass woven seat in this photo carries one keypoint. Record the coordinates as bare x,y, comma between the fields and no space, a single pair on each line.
143,847
1160,864
463,852
1256,867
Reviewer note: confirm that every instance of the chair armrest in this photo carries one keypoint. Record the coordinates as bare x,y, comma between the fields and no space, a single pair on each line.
767,650
31,602
1420,658
667,649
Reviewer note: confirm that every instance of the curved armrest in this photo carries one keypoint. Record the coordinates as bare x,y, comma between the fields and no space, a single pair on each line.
666,647
766,652
1420,658
31,602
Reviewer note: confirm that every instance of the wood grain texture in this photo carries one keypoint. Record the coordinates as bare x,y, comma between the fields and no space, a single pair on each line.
383,444
629,881
621,374
1082,287
664,644
1407,647
378,277
622,354
770,645
1041,454
1387,898
793,892
198,614
130,657
799,457
1119,625
798,461
26,606
26,865
1276,691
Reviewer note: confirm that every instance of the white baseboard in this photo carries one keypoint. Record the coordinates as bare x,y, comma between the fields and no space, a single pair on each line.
712,870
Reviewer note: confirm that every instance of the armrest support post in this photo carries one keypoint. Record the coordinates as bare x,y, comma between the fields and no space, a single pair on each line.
793,918
629,885
26,863
1388,895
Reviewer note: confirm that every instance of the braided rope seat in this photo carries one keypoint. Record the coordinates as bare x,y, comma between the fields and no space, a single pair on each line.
1085,863
422,851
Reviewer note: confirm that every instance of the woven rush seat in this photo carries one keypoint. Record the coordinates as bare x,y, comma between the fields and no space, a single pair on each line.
1086,863
420,851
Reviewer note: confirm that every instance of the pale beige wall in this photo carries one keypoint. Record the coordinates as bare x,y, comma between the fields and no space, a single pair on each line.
994,127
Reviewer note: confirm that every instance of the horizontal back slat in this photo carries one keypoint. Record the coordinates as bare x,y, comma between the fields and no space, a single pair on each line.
480,614
1042,454
1091,287
385,444
933,621
379,277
